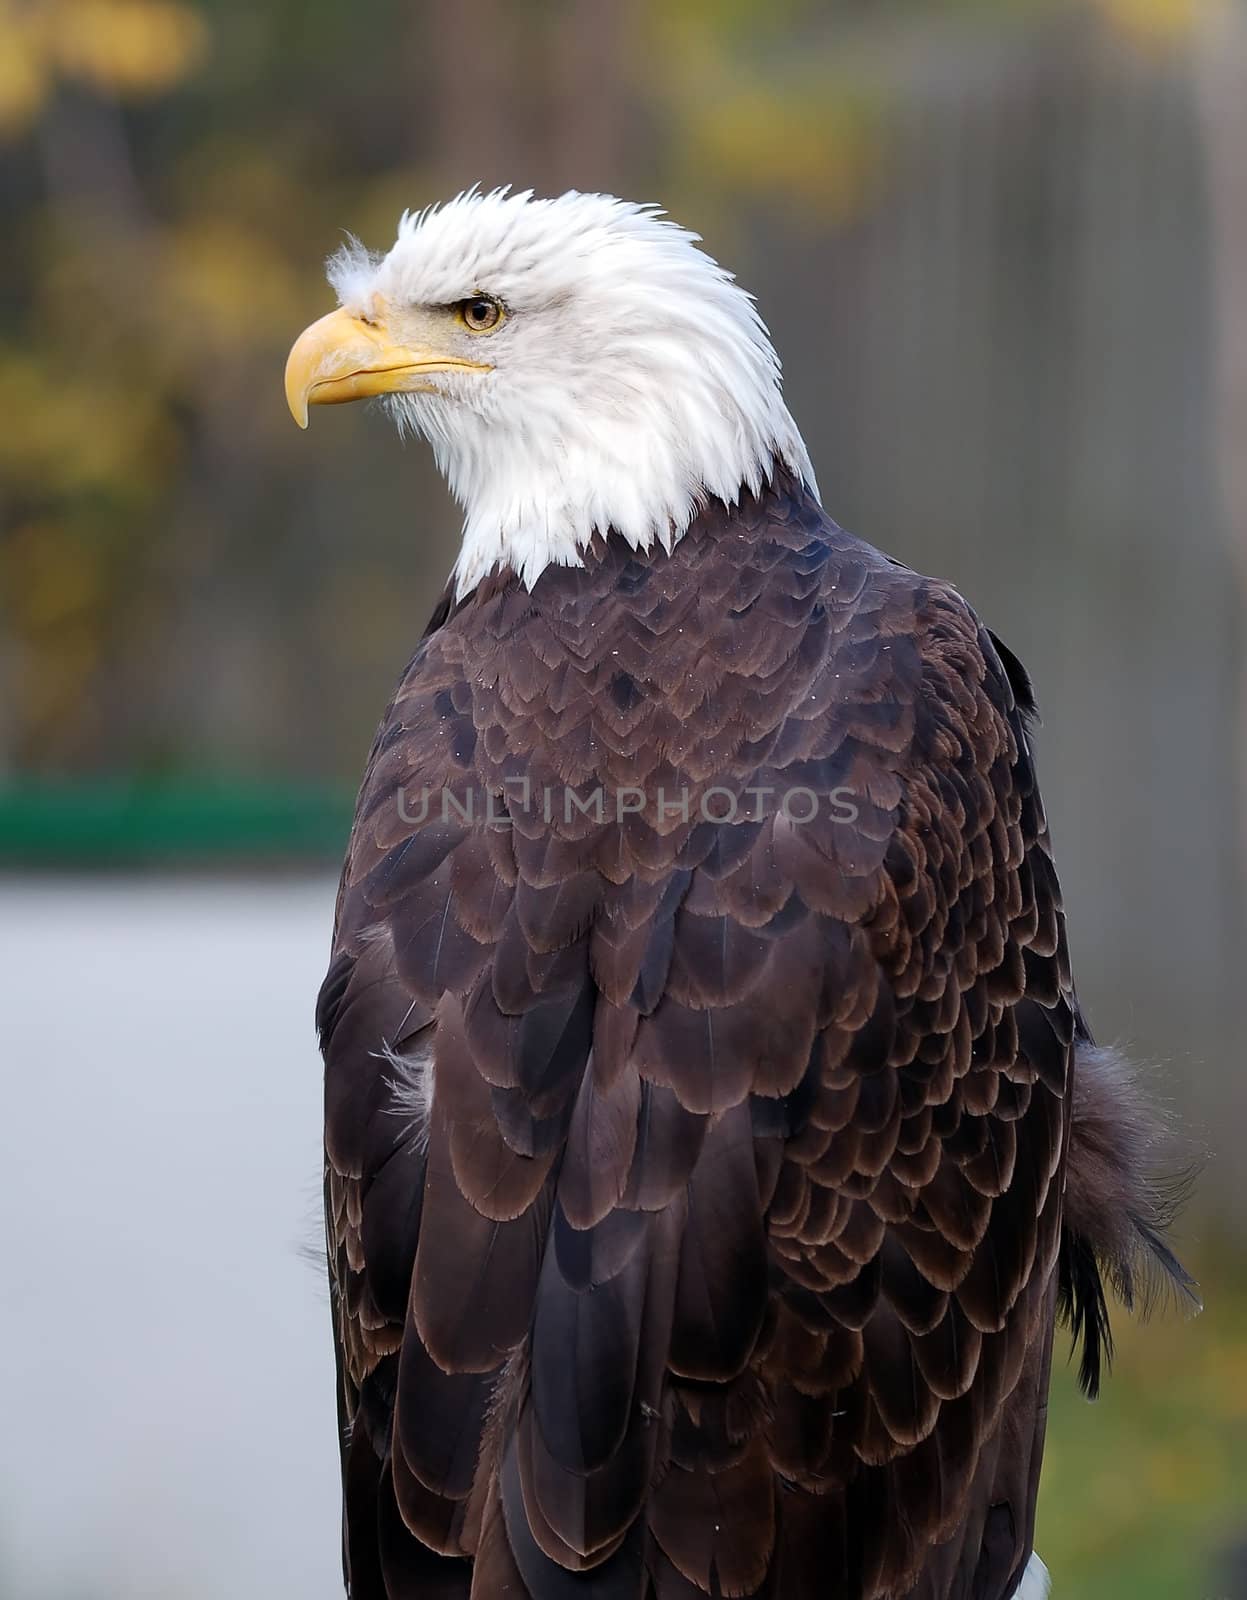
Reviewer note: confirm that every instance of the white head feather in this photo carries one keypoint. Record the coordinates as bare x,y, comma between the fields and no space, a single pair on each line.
632,378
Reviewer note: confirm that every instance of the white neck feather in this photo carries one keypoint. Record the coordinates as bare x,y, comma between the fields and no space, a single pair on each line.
534,496
632,381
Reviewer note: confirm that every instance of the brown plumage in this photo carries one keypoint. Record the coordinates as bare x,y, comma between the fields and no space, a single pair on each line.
694,1164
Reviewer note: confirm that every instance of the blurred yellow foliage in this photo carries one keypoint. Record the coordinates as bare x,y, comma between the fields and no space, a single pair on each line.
124,47
132,46
819,156
53,586
53,579
24,74
1154,24
69,432
804,134
222,283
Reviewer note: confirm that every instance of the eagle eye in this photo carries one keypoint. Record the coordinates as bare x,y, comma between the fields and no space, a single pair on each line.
479,313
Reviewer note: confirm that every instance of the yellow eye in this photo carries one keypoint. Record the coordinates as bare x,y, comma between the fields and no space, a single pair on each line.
479,313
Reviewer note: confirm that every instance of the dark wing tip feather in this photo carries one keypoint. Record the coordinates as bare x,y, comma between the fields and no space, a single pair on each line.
1084,1309
1019,682
332,993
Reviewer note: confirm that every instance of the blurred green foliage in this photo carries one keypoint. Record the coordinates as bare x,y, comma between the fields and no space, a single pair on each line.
1143,1493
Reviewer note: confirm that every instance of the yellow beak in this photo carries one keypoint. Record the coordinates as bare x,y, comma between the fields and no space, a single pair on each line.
341,358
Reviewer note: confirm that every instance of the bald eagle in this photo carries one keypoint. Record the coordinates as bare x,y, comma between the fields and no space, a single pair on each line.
712,1135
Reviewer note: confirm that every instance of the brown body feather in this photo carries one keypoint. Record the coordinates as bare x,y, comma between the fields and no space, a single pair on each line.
694,1175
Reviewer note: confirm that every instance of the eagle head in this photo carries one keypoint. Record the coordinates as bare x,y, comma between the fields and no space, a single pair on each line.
577,364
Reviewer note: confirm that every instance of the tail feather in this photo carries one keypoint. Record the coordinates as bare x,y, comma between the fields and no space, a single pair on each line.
1120,1201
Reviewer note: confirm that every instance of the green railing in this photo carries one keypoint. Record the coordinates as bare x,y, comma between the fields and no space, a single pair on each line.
182,821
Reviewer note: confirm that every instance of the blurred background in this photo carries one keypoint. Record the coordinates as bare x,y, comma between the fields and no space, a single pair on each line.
1002,247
